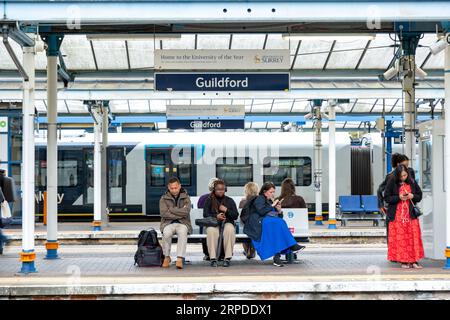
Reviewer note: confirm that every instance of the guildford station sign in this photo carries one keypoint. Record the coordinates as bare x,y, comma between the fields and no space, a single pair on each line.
218,70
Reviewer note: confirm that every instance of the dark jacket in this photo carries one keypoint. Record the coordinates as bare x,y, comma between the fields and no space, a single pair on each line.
391,196
171,211
232,212
8,187
258,211
382,187
202,200
293,201
2,197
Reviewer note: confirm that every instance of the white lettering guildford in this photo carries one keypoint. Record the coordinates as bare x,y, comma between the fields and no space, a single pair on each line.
205,125
223,82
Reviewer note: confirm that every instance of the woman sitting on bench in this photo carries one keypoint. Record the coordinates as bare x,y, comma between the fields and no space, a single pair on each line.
265,226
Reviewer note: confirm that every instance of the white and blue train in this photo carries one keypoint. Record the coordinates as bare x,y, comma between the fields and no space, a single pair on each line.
140,164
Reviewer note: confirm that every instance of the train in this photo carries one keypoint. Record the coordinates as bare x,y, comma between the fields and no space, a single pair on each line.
139,166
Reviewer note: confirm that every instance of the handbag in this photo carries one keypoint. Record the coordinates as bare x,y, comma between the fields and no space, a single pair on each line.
416,210
5,210
207,222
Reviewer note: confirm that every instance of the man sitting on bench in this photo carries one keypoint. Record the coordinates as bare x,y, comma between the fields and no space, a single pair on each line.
174,208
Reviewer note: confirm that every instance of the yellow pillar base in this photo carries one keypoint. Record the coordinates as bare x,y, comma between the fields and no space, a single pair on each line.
27,256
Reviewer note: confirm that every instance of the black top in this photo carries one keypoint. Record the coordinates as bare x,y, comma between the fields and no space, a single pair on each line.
392,197
231,214
382,187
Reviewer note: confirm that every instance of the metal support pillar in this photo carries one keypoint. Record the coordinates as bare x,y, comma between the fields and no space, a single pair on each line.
332,166
28,255
104,148
447,152
388,147
408,62
318,161
53,44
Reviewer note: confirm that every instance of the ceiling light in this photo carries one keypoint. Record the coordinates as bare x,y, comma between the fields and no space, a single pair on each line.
140,36
328,36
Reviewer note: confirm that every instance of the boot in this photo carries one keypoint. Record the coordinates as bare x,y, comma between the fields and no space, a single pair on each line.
166,262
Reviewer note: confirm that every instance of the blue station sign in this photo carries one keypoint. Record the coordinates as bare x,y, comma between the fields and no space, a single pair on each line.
258,81
196,124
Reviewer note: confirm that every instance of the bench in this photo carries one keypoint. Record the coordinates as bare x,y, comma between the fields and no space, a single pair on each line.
359,207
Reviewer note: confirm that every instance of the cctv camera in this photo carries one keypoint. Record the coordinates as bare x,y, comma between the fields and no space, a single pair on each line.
440,45
420,73
390,73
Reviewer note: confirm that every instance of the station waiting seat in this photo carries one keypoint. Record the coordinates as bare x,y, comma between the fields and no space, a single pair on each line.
359,207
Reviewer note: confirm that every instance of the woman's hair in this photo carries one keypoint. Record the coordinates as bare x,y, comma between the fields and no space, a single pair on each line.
250,189
211,184
397,174
266,186
287,188
398,158
214,201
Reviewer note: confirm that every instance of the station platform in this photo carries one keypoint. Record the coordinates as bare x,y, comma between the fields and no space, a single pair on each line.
127,233
323,271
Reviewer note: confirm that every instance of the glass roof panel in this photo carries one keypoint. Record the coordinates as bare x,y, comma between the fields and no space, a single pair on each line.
379,54
77,53
248,41
141,54
139,106
312,54
76,106
119,106
217,41
346,54
110,55
40,106
275,41
5,60
158,105
187,41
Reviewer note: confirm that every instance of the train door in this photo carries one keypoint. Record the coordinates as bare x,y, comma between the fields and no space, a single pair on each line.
161,165
88,185
116,178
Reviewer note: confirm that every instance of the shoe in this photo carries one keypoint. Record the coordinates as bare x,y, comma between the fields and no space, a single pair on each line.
166,262
277,260
206,258
213,263
406,266
180,262
296,247
226,262
416,266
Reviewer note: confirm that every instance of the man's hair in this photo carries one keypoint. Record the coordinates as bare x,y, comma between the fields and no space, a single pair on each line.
174,180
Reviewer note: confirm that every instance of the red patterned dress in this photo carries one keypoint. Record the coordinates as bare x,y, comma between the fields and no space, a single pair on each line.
404,239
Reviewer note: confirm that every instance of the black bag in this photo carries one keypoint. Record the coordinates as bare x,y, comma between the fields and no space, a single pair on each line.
207,222
149,252
416,210
245,212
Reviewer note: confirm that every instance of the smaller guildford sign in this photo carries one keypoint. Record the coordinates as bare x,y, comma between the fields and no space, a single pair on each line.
269,81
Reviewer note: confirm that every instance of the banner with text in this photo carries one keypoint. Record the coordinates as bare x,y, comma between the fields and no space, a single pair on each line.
268,81
205,111
246,59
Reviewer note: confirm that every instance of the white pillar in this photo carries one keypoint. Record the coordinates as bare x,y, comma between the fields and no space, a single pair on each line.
104,156
332,167
97,174
410,110
318,169
447,151
52,158
28,255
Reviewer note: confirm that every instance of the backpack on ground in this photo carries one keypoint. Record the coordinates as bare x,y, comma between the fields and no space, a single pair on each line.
149,252
245,212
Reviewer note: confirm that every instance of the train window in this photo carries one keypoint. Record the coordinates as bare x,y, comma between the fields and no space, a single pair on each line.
297,168
157,169
115,168
234,171
184,174
67,173
426,164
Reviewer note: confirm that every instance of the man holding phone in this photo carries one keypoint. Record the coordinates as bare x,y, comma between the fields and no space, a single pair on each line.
224,209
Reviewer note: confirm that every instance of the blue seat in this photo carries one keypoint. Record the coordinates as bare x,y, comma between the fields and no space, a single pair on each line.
370,203
350,204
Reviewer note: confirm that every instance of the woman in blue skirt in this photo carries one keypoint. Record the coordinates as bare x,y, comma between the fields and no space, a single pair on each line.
265,226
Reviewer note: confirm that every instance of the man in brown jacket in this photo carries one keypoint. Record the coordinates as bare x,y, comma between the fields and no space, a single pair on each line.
174,208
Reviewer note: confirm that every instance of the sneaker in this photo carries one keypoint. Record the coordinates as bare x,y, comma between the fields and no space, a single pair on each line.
226,262
277,261
166,262
296,247
213,263
206,258
180,262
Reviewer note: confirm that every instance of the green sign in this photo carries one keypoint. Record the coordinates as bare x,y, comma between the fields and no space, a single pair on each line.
3,124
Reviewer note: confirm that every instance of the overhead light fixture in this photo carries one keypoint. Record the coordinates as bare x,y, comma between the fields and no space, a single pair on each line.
137,36
308,116
440,45
420,73
328,36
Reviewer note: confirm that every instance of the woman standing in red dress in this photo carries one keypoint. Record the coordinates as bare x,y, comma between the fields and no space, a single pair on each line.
404,238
